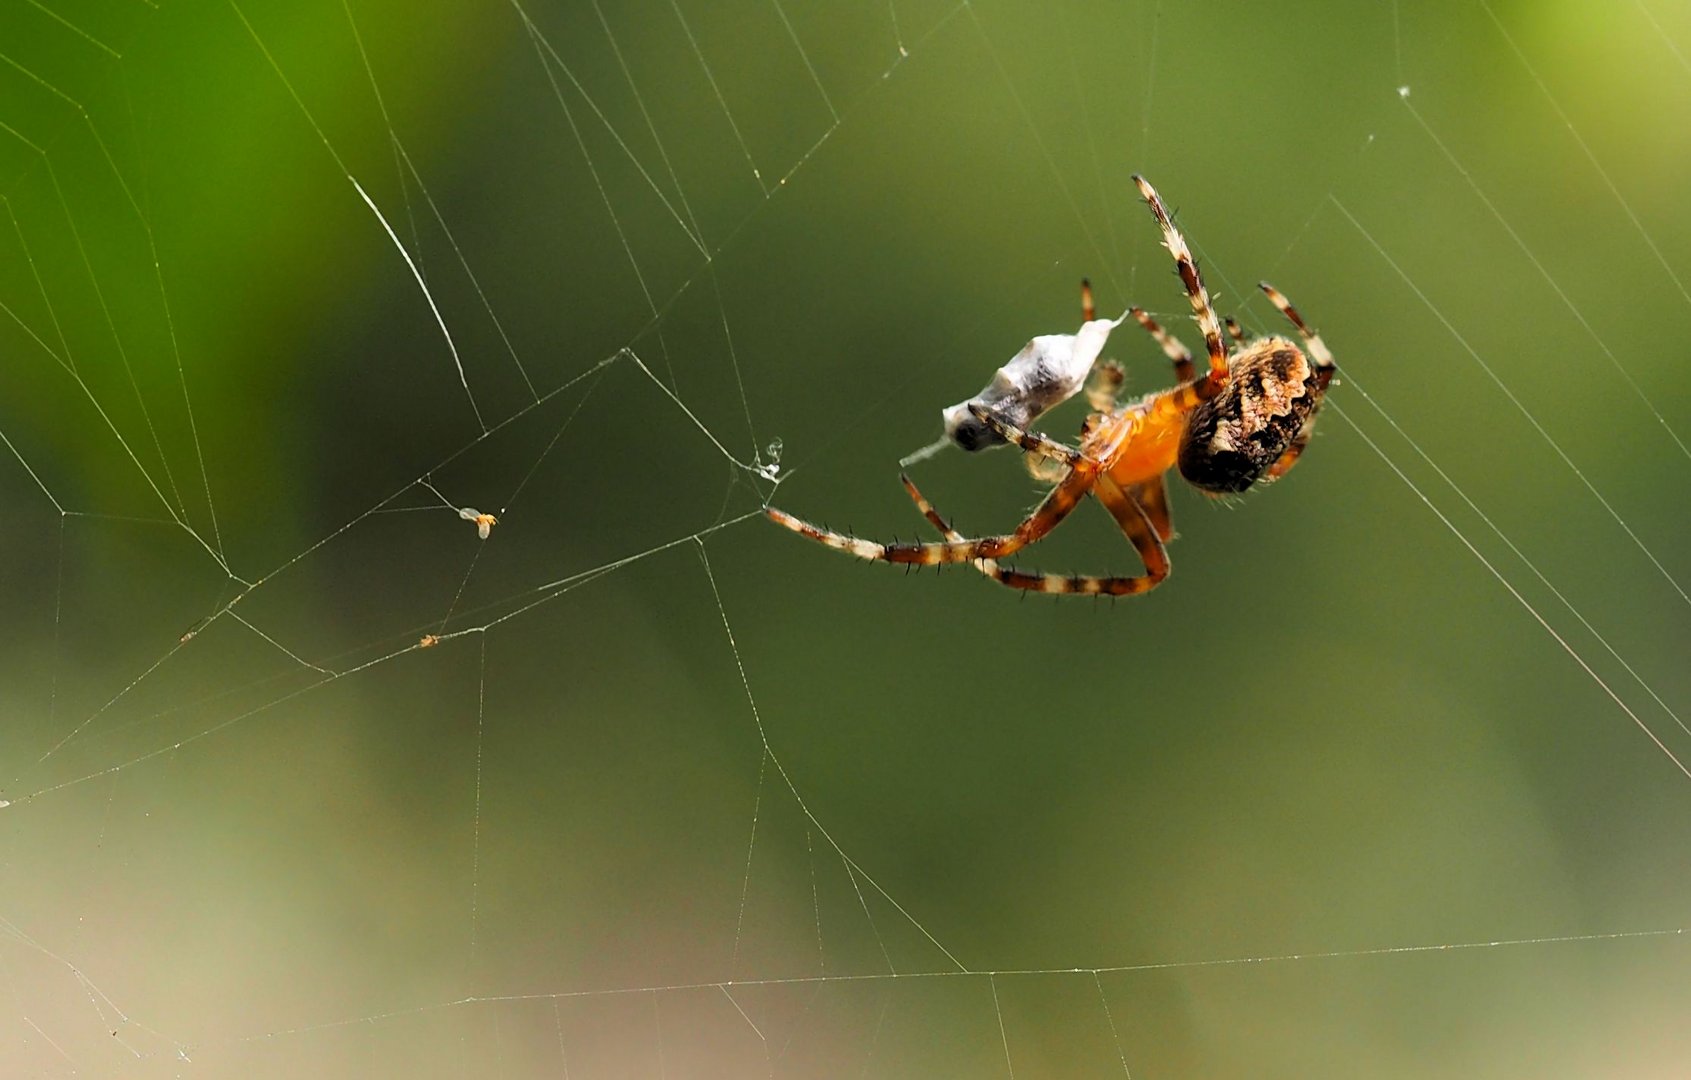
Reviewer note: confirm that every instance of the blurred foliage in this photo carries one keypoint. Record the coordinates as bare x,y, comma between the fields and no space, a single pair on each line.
662,236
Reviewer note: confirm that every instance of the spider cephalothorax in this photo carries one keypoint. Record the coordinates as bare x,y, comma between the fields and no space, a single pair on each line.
1245,419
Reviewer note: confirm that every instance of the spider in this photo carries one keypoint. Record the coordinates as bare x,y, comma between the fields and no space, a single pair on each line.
1247,418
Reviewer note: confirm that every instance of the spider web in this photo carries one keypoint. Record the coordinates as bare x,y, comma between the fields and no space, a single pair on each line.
304,776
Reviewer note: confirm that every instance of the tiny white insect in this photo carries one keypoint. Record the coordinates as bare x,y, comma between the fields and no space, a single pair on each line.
484,522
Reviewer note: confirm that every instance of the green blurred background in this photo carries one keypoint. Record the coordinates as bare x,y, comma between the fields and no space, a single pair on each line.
294,844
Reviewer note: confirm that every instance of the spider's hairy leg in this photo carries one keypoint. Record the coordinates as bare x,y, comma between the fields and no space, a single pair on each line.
1187,267
1058,503
1318,351
1234,330
851,545
926,508
1047,460
1105,379
1152,497
1171,346
1103,384
1151,552
1140,529
1030,441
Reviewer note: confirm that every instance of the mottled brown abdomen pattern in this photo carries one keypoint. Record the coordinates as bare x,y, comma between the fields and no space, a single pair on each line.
1233,438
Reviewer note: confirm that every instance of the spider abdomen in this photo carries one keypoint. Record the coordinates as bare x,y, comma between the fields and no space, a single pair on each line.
1231,440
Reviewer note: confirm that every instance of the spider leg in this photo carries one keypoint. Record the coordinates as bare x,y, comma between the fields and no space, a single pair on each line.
1318,351
989,567
1128,515
1137,524
1103,384
1195,291
1234,331
1048,471
1152,497
1106,377
1171,346
1031,441
1058,503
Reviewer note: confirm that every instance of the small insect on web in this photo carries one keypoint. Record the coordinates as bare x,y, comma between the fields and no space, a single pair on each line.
1247,418
484,522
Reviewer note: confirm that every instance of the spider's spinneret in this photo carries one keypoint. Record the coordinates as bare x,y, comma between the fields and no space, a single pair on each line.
1271,393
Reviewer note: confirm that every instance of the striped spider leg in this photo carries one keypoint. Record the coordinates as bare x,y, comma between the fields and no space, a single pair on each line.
1106,378
1132,518
1128,515
1082,475
1196,294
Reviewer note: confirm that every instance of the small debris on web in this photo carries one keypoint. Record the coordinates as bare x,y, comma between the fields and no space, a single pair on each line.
769,462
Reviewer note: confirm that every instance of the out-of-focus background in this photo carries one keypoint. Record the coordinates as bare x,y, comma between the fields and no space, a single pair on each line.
284,285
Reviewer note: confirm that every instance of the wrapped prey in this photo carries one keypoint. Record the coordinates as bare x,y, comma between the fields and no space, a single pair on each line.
1048,371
